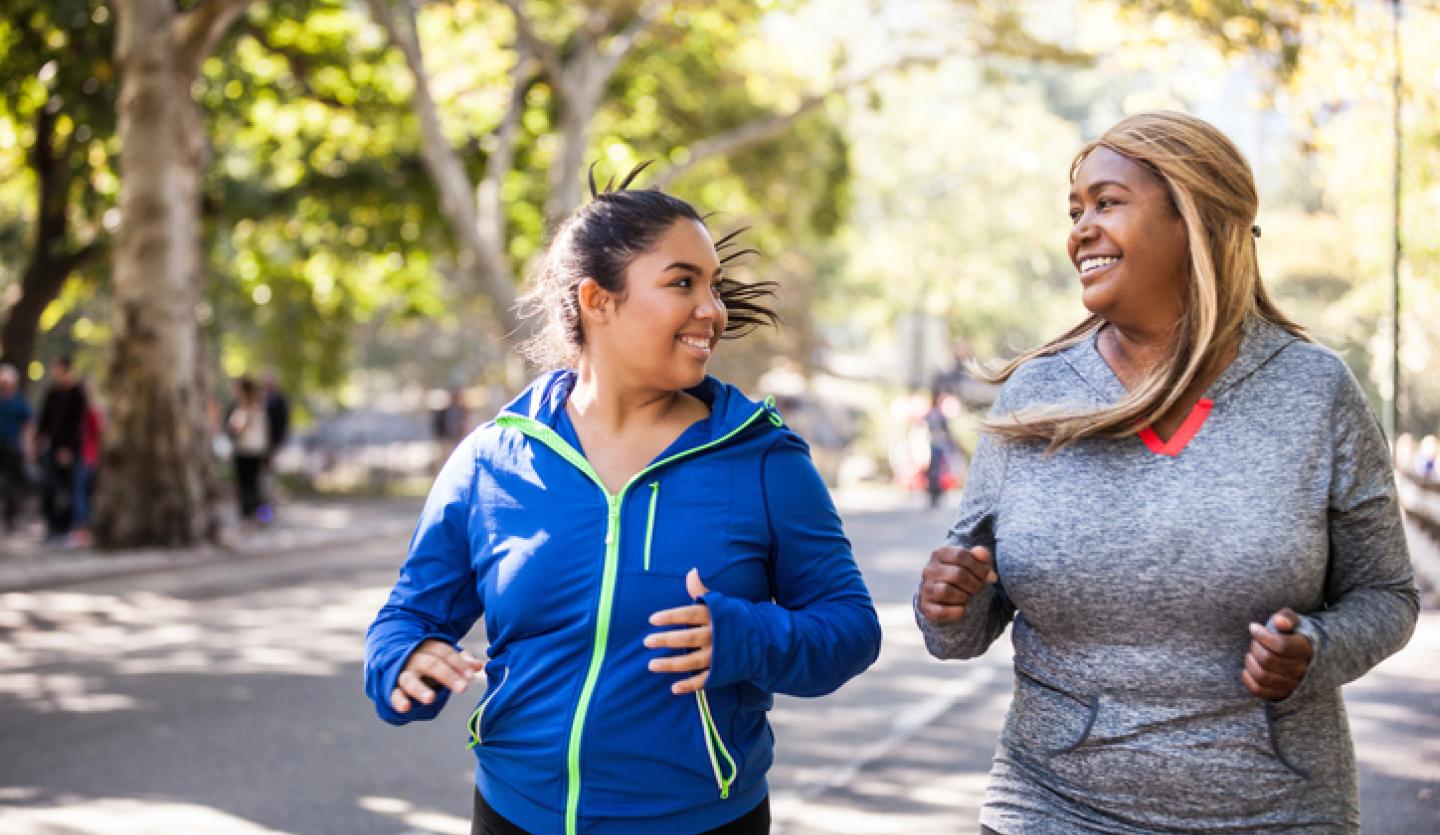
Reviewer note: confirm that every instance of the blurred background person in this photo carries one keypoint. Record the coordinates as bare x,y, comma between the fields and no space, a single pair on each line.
17,430
448,424
277,419
60,441
87,467
940,469
249,430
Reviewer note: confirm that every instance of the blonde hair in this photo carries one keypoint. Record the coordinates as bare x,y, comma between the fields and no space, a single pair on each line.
1212,188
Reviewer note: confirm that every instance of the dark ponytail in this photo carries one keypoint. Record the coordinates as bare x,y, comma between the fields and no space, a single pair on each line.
599,241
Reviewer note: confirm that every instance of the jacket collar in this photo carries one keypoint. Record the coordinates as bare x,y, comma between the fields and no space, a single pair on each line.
544,400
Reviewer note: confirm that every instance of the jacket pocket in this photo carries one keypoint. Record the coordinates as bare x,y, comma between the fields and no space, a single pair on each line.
722,764
486,707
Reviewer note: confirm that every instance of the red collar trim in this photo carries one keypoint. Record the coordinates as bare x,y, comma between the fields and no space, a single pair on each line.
1183,435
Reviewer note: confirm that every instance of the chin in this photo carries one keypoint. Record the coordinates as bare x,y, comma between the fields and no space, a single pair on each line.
690,381
1097,301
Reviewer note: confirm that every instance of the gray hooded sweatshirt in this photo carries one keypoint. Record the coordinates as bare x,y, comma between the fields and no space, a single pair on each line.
1131,575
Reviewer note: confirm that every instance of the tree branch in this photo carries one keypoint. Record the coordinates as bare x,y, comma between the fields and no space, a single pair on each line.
196,31
772,125
488,205
614,51
76,259
481,254
526,36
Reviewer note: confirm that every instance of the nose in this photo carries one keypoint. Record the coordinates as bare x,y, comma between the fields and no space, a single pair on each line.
710,309
1082,231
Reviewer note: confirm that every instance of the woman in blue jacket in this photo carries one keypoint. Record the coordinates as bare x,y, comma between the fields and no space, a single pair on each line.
654,554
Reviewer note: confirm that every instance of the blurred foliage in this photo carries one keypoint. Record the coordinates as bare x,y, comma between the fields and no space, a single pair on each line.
57,107
320,216
937,190
1341,103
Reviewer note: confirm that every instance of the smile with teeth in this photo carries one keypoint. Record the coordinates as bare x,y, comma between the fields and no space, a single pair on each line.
699,342
1090,265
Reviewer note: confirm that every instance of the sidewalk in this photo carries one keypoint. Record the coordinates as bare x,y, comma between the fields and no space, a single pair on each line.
26,563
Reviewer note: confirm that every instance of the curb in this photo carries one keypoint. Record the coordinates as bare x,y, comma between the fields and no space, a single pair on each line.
61,569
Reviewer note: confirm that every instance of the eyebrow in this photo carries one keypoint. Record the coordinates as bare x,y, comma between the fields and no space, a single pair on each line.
1099,184
691,268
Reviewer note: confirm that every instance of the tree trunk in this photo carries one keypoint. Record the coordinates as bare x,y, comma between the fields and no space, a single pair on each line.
157,484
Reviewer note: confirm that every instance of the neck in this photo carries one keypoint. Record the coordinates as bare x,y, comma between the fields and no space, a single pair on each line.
603,402
1137,350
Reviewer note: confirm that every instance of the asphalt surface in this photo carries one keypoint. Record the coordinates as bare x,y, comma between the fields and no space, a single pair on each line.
222,697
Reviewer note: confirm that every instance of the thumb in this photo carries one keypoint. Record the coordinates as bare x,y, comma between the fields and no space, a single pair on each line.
693,586
1284,621
982,555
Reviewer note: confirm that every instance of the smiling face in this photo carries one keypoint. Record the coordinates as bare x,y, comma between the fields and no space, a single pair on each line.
1128,243
661,331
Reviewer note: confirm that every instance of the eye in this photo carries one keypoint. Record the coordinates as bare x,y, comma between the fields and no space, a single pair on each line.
1106,202
1074,215
685,283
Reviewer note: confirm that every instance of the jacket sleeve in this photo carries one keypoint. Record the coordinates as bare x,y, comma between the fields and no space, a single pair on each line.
437,593
1371,602
821,628
989,611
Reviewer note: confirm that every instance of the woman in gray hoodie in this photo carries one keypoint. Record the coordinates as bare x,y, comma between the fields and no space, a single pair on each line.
1187,509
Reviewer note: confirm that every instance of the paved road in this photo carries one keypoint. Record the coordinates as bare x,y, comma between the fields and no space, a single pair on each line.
223,699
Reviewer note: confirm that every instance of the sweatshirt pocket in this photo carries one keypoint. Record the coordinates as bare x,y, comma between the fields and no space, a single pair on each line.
486,708
1148,751
722,764
1046,720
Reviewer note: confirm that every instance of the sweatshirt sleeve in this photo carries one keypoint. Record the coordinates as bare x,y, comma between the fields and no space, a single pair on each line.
437,593
990,611
1371,602
821,628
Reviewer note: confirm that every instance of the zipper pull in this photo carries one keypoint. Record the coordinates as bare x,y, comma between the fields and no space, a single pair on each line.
614,524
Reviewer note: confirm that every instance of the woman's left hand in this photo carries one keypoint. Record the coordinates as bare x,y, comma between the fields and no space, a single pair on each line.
698,639
1278,657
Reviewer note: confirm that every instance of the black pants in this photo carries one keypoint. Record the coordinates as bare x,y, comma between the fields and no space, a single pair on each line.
487,821
247,483
57,494
12,483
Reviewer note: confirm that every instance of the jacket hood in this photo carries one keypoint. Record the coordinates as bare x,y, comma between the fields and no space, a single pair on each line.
545,397
1260,342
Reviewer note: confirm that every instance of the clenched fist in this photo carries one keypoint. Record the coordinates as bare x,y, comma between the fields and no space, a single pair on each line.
951,577
1278,657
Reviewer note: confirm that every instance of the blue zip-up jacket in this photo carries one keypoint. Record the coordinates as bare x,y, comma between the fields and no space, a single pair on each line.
574,734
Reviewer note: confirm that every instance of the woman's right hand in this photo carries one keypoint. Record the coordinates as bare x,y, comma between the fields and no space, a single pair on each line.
432,665
951,577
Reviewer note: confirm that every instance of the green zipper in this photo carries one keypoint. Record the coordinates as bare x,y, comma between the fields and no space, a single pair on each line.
650,521
474,723
547,436
713,740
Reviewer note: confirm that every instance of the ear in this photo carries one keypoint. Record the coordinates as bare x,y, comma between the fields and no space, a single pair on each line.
595,301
